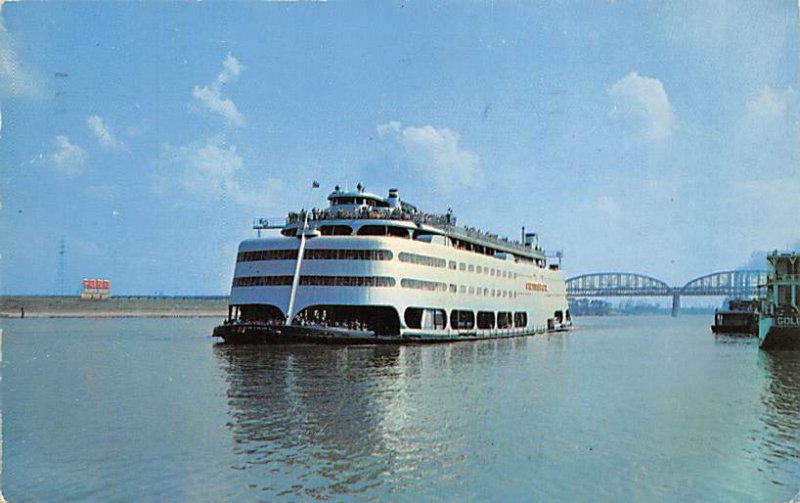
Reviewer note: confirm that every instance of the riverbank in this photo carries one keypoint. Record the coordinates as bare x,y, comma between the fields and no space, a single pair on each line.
52,306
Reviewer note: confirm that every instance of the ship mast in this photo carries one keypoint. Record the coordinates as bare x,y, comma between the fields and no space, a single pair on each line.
296,278
300,251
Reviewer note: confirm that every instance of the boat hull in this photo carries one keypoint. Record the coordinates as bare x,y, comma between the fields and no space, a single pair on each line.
739,323
780,333
293,334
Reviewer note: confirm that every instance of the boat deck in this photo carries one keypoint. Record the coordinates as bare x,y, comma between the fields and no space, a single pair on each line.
243,333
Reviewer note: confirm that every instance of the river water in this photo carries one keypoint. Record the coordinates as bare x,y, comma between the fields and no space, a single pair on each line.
644,409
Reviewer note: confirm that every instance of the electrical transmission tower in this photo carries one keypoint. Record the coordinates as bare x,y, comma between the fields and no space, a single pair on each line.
62,251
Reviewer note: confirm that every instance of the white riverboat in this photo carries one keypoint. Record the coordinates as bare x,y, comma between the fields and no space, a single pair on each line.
370,269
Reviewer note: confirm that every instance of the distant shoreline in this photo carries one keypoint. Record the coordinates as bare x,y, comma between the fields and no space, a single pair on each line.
47,306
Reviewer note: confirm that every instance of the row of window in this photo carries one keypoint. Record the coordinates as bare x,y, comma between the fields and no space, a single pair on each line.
478,291
310,254
404,232
381,281
348,255
378,281
384,230
453,265
335,230
262,281
488,271
359,254
250,256
462,319
413,258
418,284
504,319
366,230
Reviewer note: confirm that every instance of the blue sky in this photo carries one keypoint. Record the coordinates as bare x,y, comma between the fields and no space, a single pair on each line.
658,137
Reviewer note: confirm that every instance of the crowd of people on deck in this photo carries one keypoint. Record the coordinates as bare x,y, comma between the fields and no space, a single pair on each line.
418,217
305,320
319,318
368,212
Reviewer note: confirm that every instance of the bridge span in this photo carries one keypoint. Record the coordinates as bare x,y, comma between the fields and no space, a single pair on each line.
738,284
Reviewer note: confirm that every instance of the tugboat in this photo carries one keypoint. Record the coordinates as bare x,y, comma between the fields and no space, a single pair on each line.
372,269
740,318
779,323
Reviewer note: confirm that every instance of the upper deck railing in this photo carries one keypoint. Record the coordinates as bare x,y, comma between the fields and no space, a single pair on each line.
446,223
365,213
503,242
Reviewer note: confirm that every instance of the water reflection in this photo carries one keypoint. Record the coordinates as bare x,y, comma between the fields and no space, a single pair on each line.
736,339
325,422
307,411
781,414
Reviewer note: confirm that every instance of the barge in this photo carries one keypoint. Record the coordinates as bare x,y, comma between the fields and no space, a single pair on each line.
740,318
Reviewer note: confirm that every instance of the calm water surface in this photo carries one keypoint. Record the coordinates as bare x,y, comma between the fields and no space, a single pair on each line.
645,409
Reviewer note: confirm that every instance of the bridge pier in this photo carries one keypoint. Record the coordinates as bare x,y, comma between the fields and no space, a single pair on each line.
676,304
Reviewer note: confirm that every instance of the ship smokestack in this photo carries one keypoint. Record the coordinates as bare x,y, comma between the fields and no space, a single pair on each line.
394,198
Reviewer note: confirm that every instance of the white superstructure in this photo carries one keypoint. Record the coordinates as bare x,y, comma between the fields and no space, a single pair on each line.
378,265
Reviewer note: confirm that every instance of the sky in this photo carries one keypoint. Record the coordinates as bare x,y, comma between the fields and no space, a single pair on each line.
653,137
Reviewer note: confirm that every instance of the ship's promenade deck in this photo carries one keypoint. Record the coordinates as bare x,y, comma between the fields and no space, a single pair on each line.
445,224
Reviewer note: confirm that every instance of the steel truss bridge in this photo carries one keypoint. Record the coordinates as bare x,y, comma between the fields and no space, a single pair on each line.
738,284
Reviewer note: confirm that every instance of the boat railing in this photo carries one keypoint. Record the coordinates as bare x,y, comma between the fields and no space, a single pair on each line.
316,215
475,233
446,223
489,333
262,223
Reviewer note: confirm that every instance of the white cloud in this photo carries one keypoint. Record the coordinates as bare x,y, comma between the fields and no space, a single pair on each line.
209,98
644,101
768,134
14,80
436,152
774,204
743,42
772,103
68,158
210,169
389,127
204,169
232,70
104,134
